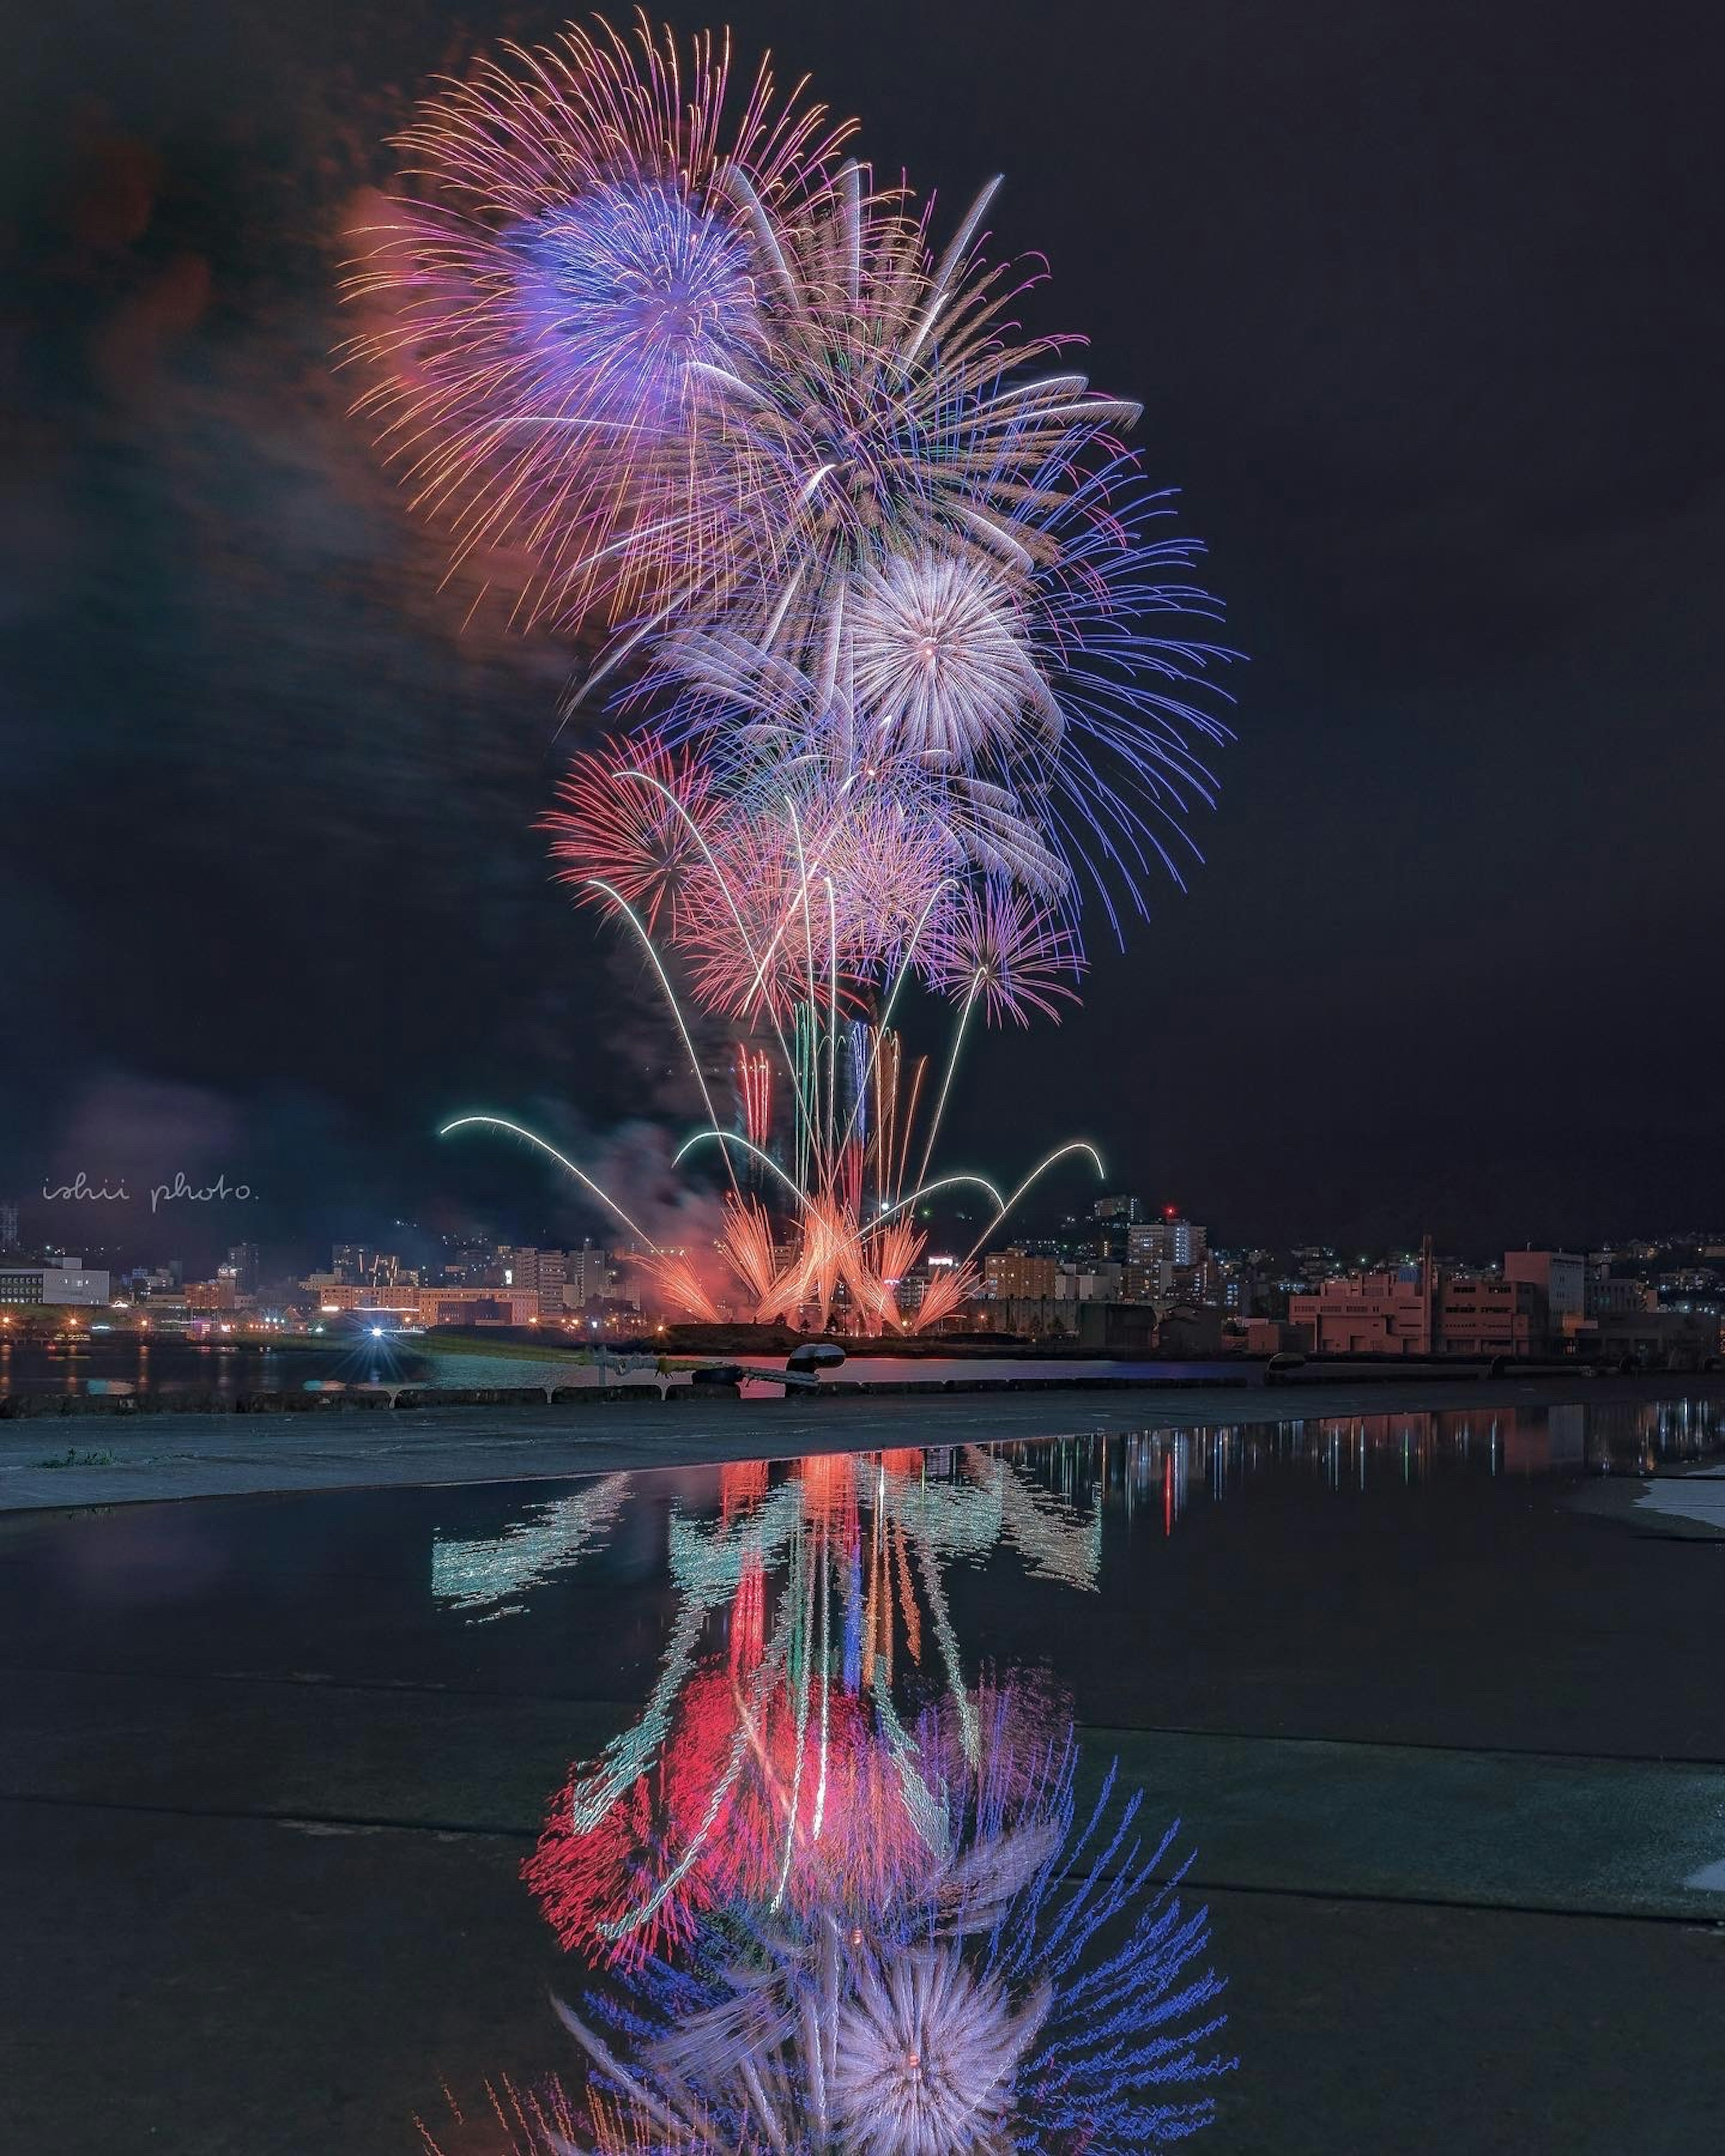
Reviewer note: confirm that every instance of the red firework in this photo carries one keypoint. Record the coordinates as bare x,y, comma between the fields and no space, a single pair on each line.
634,818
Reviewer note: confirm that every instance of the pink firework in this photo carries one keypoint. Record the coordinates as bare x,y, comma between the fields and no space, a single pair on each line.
805,900
765,927
1000,945
893,871
633,818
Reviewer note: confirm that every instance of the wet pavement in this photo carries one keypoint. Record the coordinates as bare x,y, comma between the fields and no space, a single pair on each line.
120,1459
1448,1748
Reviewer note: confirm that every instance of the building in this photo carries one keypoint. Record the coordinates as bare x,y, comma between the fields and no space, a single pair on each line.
1172,1240
542,1274
1014,1275
1190,1330
1029,1317
1560,1277
1542,1303
1368,1314
206,1297
65,1284
1612,1295
9,1225
245,1262
1114,1218
1116,1328
146,1283
477,1305
231,1276
1095,1279
592,1277
1655,1340
1489,1316
1117,1208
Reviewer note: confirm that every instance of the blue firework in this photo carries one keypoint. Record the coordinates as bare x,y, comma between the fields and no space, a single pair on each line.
623,294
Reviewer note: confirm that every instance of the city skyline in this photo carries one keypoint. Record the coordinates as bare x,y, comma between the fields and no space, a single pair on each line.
55,1227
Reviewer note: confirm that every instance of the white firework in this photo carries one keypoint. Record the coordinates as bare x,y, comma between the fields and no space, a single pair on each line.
941,664
926,2054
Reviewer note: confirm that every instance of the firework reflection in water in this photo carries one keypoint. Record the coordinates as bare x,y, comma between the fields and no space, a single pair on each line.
1031,1981
830,1926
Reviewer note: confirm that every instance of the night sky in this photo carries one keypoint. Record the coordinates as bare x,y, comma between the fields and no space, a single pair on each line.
1424,306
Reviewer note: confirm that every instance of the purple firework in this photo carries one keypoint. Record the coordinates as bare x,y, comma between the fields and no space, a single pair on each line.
563,263
999,944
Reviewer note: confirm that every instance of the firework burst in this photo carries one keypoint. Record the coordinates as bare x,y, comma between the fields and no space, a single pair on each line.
942,664
632,824
562,276
925,2054
896,419
997,944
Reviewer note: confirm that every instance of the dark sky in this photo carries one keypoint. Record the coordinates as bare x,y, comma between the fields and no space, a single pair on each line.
1424,306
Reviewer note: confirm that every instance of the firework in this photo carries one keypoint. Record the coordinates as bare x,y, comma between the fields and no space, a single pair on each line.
567,272
918,671
770,921
941,662
894,419
1028,717
925,2054
762,1795
745,419
771,1775
784,927
631,823
998,944
775,1770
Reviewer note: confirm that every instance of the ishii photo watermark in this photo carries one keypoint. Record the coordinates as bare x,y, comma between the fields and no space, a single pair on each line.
87,1190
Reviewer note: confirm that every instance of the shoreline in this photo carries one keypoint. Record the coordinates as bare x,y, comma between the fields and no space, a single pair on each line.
169,1455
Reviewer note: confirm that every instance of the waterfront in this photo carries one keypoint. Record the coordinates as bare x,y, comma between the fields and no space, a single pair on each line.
160,1371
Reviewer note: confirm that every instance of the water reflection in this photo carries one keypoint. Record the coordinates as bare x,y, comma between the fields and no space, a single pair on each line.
839,1884
840,1881
1160,1473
